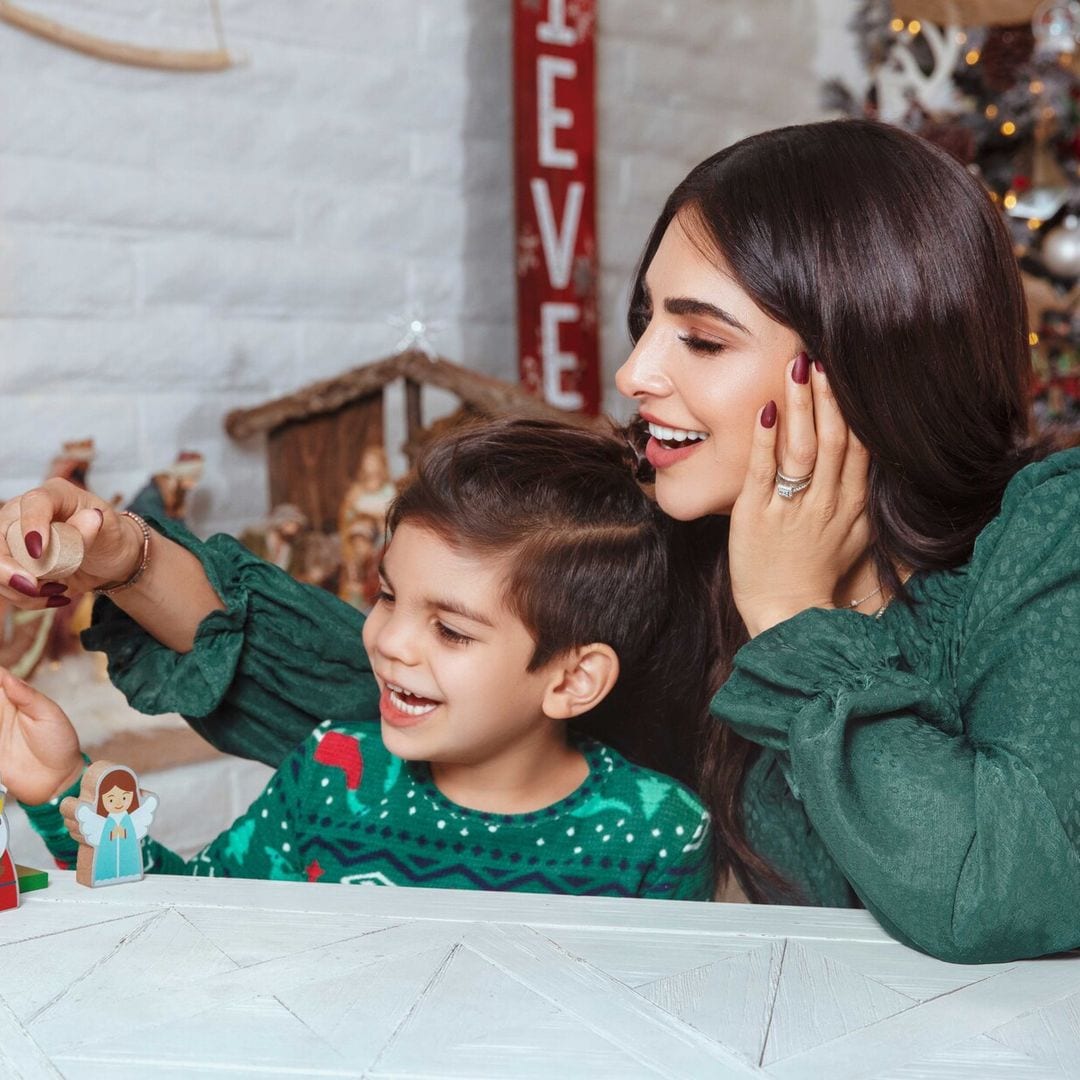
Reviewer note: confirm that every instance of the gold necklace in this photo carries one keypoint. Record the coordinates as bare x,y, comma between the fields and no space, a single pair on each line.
857,603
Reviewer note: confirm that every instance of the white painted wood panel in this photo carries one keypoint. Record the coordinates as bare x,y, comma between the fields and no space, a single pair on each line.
173,976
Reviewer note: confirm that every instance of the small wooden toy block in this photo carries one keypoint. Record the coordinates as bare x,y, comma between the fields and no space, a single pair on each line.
109,819
30,880
60,558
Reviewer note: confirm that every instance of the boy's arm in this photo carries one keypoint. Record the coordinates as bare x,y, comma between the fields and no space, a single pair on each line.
49,824
259,844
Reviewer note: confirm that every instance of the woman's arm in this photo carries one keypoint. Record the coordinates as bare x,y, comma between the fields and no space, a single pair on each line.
273,660
251,657
951,807
172,597
169,600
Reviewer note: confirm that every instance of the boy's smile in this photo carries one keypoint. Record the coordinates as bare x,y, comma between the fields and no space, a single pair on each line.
403,708
451,659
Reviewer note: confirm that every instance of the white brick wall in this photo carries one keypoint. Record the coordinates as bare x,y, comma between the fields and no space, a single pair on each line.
173,246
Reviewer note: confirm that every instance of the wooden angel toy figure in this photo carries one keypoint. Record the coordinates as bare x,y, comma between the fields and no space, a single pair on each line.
9,878
109,819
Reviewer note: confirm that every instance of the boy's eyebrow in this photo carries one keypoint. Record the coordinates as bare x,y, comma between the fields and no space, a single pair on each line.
460,609
444,605
687,305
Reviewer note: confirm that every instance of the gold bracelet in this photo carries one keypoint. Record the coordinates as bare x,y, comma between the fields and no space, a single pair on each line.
144,562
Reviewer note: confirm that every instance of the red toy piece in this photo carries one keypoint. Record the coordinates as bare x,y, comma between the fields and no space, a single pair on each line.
9,881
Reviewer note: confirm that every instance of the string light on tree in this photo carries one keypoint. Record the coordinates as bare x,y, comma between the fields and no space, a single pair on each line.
1003,97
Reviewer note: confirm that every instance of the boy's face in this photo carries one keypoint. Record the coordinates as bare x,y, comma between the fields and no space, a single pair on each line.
450,659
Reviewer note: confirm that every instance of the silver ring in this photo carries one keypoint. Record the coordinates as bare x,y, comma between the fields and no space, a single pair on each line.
787,487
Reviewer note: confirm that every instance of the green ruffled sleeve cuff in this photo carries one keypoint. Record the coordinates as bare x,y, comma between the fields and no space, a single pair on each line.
817,652
279,659
47,821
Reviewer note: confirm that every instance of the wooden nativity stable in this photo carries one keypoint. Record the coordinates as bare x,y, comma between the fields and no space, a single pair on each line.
317,436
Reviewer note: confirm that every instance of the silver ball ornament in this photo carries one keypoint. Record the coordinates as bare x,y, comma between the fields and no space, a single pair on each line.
1061,248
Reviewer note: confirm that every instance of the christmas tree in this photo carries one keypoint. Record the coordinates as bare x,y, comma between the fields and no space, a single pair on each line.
996,83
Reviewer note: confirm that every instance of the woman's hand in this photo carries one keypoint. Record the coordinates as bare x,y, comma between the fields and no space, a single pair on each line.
113,544
787,555
39,748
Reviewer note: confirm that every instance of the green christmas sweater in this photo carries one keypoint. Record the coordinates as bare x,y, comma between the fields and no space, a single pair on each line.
342,808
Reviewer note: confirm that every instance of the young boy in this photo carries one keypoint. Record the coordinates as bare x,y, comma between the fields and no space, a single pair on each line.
526,571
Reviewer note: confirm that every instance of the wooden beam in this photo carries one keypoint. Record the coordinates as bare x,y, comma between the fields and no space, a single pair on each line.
488,396
414,417
325,396
116,52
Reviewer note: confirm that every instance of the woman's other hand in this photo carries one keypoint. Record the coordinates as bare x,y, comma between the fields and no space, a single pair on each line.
112,543
790,554
39,748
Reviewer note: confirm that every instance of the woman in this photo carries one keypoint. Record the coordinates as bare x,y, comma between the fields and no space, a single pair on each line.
893,584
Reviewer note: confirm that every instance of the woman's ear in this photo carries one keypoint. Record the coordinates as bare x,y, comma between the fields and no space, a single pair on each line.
580,680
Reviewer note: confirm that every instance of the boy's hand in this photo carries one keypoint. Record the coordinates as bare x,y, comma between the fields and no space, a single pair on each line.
39,749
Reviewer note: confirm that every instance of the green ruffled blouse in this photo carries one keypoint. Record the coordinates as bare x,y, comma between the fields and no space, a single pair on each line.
925,764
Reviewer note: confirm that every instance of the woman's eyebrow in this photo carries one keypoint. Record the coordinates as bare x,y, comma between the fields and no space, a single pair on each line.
686,305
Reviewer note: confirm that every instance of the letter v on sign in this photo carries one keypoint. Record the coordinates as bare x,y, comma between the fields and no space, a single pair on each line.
558,242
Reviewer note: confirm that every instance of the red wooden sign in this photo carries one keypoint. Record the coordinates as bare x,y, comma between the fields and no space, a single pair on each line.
555,180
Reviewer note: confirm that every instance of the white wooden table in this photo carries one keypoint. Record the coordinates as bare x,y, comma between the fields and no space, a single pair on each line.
175,977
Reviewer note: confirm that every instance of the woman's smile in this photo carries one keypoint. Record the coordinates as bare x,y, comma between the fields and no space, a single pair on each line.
667,445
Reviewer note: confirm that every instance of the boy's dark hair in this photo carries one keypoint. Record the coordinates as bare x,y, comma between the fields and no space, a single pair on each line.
582,542
586,552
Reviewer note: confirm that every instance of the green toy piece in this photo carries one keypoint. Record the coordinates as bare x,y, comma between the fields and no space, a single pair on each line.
30,880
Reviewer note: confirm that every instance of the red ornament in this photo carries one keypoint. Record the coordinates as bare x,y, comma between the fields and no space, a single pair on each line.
1021,183
342,752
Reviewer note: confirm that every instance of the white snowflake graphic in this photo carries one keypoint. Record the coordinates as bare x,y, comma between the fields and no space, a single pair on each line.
528,250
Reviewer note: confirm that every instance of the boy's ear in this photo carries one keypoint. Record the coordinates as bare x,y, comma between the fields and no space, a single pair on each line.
580,680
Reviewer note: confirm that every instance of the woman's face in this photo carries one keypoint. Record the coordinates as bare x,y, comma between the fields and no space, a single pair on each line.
707,362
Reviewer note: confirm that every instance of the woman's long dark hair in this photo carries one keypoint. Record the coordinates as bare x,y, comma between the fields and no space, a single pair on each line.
890,262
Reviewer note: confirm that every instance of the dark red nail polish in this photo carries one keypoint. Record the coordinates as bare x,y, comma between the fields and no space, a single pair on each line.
58,601
33,544
52,588
23,585
801,371
768,415
821,367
